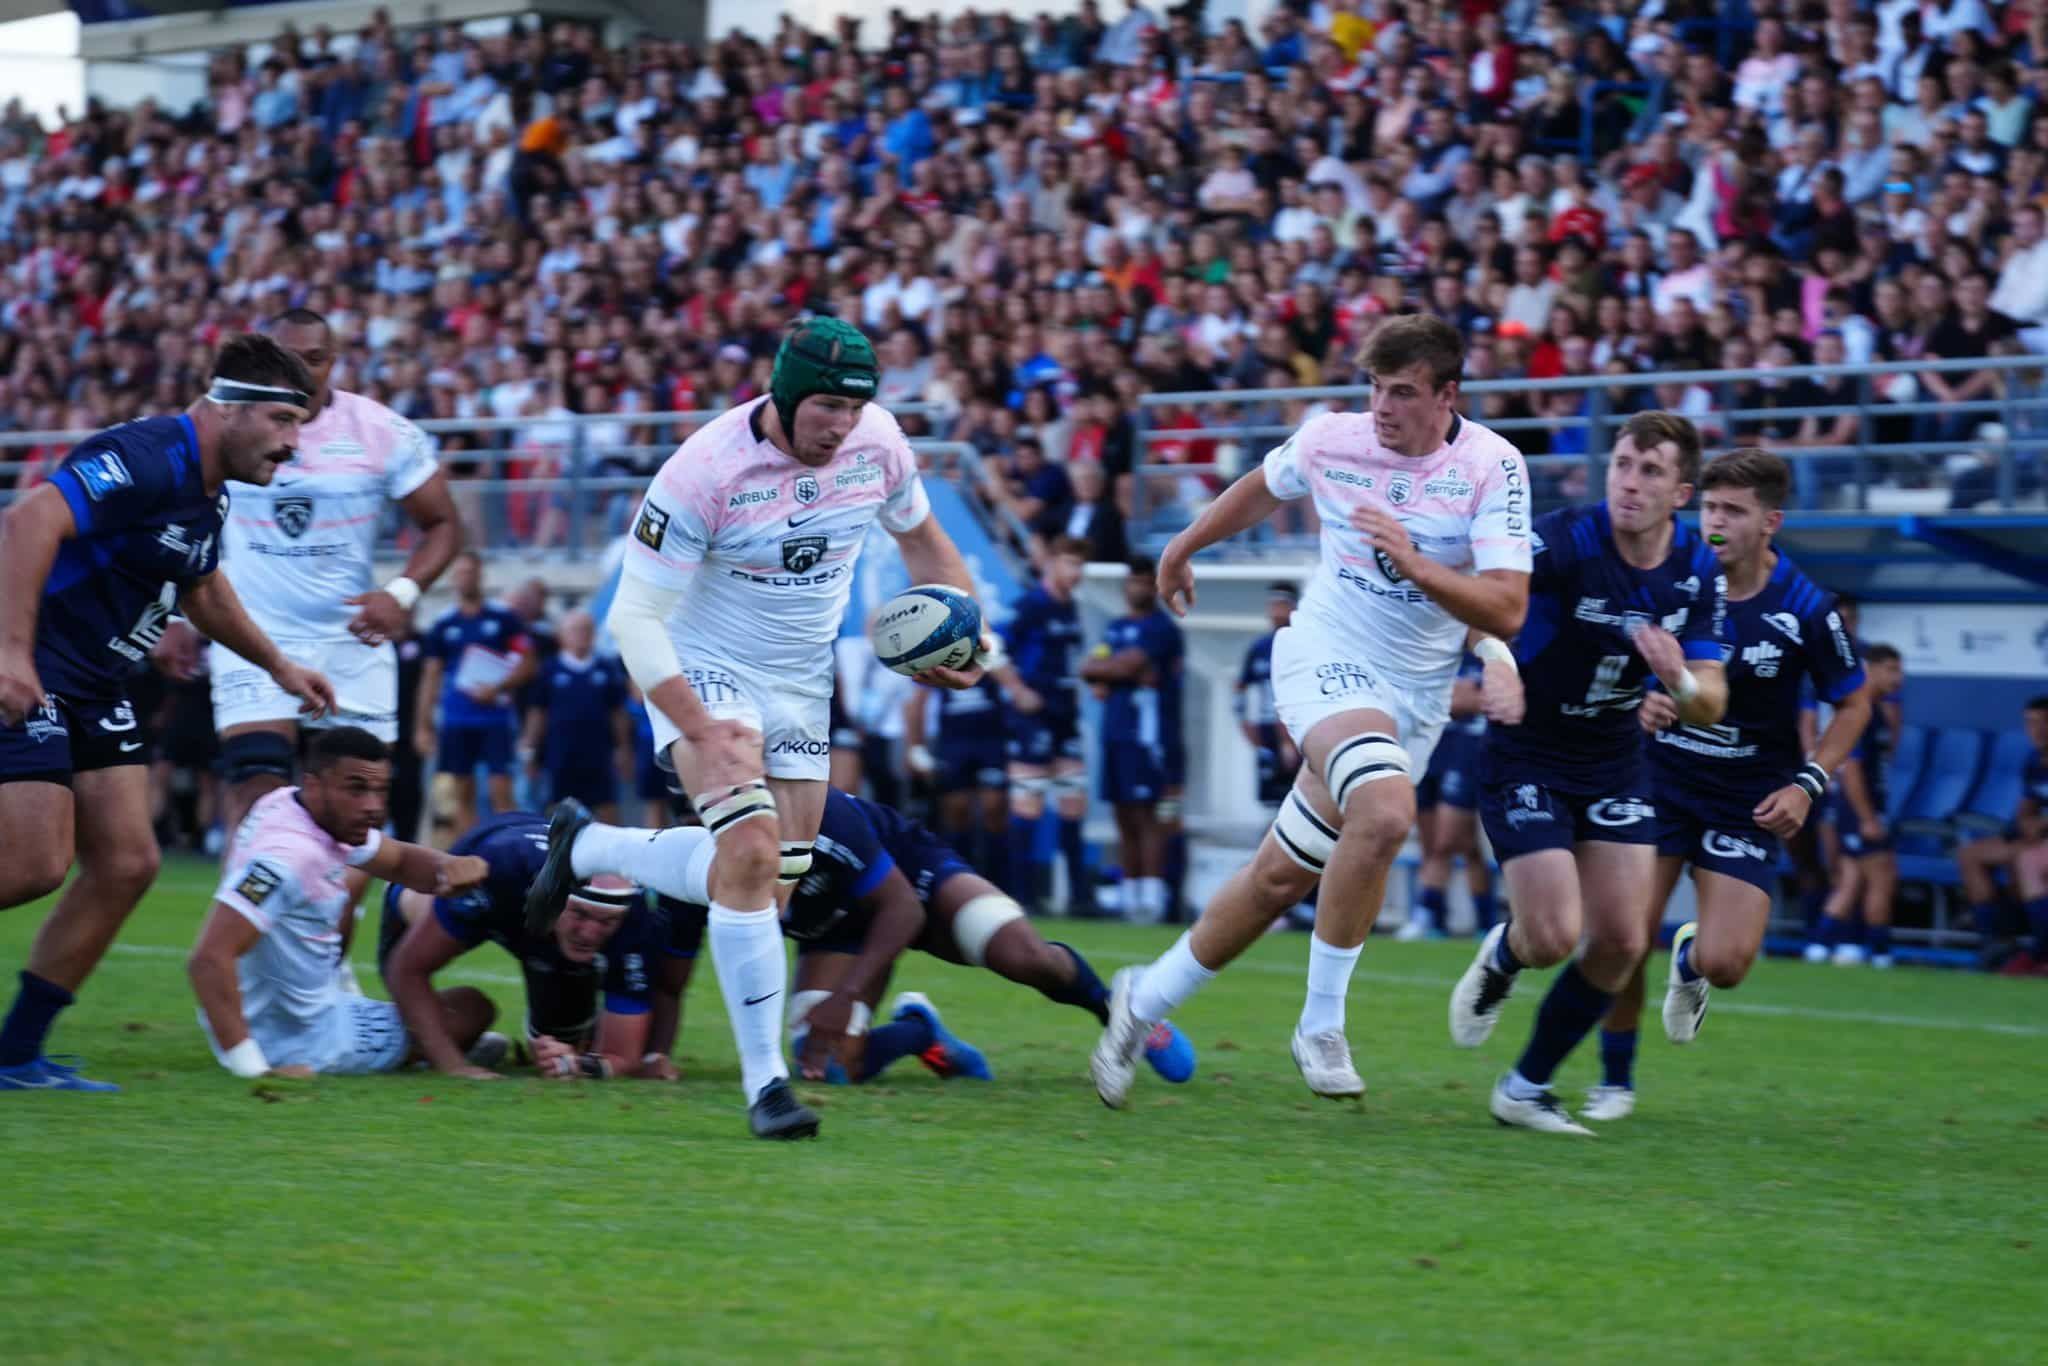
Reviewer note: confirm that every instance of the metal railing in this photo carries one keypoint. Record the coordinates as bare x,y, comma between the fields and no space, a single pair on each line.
1897,444
565,485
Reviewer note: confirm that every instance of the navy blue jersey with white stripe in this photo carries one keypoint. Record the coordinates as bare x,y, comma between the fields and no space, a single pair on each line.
1777,642
1582,677
146,529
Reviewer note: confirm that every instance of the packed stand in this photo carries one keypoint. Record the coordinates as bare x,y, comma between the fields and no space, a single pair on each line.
1042,220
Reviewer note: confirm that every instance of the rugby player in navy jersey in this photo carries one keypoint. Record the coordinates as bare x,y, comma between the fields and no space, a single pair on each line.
609,946
1727,794
1137,670
1447,815
1867,874
1043,722
964,765
1621,591
95,561
879,884
577,724
1272,747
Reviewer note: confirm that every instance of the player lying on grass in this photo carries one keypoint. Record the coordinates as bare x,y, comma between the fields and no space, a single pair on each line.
266,967
879,884
608,940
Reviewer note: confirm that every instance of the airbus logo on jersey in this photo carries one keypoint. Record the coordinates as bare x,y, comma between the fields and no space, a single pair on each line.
752,498
1785,624
1718,845
806,489
801,553
294,515
1614,812
1399,489
1763,658
1348,478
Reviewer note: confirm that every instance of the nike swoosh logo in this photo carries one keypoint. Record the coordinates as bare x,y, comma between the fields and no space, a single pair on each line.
130,746
756,1000
807,519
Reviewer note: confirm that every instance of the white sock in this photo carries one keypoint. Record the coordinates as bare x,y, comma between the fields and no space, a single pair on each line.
1170,980
1152,899
1520,1087
676,863
1329,979
1127,898
753,974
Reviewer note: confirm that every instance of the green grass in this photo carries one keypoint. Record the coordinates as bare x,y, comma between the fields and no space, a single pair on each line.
1848,1167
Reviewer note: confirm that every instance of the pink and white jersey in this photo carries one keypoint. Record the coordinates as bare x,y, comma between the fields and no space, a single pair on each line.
285,876
763,548
298,549
1465,506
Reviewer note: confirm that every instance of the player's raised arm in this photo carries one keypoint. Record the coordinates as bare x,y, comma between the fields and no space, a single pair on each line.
30,532
421,869
1242,506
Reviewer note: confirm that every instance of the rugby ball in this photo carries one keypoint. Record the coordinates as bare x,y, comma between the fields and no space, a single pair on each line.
927,626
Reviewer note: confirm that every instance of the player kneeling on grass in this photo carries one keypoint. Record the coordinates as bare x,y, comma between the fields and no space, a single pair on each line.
266,965
607,940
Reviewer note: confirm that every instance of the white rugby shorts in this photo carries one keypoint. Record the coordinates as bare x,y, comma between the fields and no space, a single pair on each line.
367,1036
365,679
795,727
1315,678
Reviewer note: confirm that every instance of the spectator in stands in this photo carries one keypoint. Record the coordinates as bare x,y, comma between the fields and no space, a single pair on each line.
2021,854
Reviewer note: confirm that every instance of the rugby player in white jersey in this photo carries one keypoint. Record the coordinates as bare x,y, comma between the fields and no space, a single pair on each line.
263,969
1425,543
737,574
299,553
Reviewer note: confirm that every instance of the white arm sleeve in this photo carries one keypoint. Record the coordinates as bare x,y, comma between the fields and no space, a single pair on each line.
639,624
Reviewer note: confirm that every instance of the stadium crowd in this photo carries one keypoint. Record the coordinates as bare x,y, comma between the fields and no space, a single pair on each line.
1042,219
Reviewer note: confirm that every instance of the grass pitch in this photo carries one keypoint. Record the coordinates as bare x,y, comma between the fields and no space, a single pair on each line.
1848,1166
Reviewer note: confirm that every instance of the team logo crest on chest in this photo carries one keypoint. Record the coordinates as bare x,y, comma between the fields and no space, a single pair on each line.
1400,489
800,554
806,489
294,515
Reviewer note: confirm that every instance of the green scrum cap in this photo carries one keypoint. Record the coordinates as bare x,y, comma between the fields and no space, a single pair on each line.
821,356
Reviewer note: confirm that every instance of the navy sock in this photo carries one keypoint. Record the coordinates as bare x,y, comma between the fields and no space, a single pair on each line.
1810,904
1023,844
1085,991
1618,1057
1686,971
1429,904
1880,940
2037,920
902,1038
1484,910
1569,1011
1075,855
1176,873
28,1023
1504,957
1984,916
1828,932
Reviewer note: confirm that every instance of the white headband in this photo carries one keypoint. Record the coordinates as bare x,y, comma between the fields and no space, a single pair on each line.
238,391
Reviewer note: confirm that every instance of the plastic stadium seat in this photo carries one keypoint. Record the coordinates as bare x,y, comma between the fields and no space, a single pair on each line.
1908,762
1989,809
1954,759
